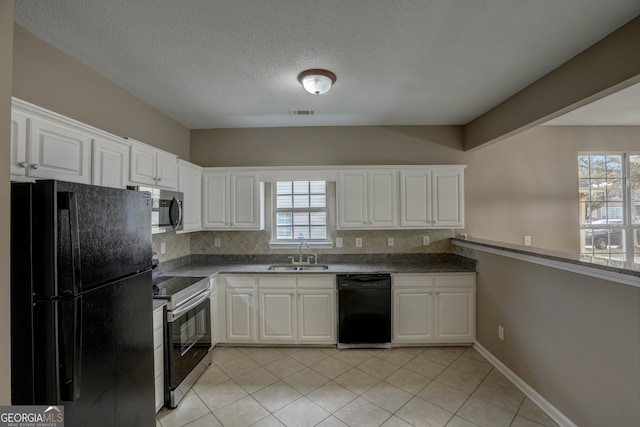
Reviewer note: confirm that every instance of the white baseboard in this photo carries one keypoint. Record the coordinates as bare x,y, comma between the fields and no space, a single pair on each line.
536,397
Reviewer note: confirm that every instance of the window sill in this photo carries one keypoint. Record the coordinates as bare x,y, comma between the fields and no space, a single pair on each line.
292,245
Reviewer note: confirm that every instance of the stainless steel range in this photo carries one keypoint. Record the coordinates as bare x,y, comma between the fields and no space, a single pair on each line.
188,332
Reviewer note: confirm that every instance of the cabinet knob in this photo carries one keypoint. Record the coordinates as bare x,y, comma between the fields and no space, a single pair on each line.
158,179
23,164
35,166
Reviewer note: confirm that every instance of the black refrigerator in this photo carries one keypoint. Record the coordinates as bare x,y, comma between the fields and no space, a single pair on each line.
81,302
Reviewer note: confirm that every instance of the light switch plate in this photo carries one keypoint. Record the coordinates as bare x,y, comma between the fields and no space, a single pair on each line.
163,248
527,240
389,241
426,240
358,242
216,242
339,242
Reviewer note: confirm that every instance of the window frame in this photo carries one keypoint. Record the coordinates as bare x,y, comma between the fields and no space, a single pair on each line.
629,249
327,243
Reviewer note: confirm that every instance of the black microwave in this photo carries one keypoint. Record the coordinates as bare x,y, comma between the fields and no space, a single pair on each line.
166,209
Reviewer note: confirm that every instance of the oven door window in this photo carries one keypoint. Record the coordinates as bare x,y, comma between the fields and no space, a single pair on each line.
190,341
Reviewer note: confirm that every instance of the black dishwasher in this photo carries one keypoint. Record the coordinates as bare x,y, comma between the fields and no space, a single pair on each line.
364,310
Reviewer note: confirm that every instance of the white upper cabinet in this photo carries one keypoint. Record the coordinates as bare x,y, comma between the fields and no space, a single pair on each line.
367,199
432,198
232,200
58,151
190,184
19,163
109,163
150,166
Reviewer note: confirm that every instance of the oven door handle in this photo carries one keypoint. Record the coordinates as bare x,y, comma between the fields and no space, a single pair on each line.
173,315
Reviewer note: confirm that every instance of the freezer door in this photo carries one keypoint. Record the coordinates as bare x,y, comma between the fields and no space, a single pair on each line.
91,235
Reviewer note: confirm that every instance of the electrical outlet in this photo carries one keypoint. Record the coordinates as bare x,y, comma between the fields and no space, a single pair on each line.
389,241
163,248
426,240
527,240
339,242
216,242
358,242
500,333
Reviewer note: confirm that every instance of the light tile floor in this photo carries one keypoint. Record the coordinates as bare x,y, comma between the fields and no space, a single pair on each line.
327,387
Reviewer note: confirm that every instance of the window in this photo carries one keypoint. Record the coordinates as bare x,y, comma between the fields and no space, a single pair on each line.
609,194
300,211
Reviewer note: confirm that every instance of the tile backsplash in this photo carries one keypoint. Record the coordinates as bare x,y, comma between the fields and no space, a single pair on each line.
257,242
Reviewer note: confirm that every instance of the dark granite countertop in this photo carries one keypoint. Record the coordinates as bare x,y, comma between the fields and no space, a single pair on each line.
371,263
604,264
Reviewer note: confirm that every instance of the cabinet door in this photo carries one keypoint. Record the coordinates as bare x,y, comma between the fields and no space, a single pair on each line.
215,203
58,152
190,184
241,315
109,163
143,165
413,315
19,163
415,195
245,201
352,200
383,199
277,315
167,170
316,316
455,314
448,199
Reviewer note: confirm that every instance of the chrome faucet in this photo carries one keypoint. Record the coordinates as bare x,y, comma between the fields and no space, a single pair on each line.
315,257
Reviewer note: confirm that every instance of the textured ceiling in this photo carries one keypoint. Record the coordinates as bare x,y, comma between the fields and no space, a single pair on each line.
225,64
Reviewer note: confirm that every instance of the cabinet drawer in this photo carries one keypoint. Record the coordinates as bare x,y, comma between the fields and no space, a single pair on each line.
317,282
412,280
455,280
286,282
240,282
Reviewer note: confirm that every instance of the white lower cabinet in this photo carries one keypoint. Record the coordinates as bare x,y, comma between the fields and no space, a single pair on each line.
290,309
158,355
434,308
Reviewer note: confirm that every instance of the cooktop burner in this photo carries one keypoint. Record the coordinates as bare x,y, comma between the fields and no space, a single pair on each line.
166,287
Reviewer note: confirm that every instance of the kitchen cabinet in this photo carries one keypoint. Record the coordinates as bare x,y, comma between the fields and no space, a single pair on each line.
432,198
109,163
19,163
190,184
241,312
159,315
46,148
150,166
277,309
367,199
316,309
434,308
291,309
232,200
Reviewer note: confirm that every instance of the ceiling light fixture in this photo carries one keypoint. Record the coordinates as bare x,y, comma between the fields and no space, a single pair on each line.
317,81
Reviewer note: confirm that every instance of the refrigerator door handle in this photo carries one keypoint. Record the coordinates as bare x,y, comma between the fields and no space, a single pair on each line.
70,202
70,348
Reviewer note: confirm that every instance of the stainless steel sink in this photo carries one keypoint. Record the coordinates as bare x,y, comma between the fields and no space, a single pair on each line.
293,267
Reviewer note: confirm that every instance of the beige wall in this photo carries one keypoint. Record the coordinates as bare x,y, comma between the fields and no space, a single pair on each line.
305,146
574,339
6,48
46,76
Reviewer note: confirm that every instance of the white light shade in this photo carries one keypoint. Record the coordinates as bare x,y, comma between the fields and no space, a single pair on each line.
317,82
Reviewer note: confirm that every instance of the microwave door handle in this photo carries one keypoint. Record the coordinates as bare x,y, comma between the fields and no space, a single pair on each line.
68,201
